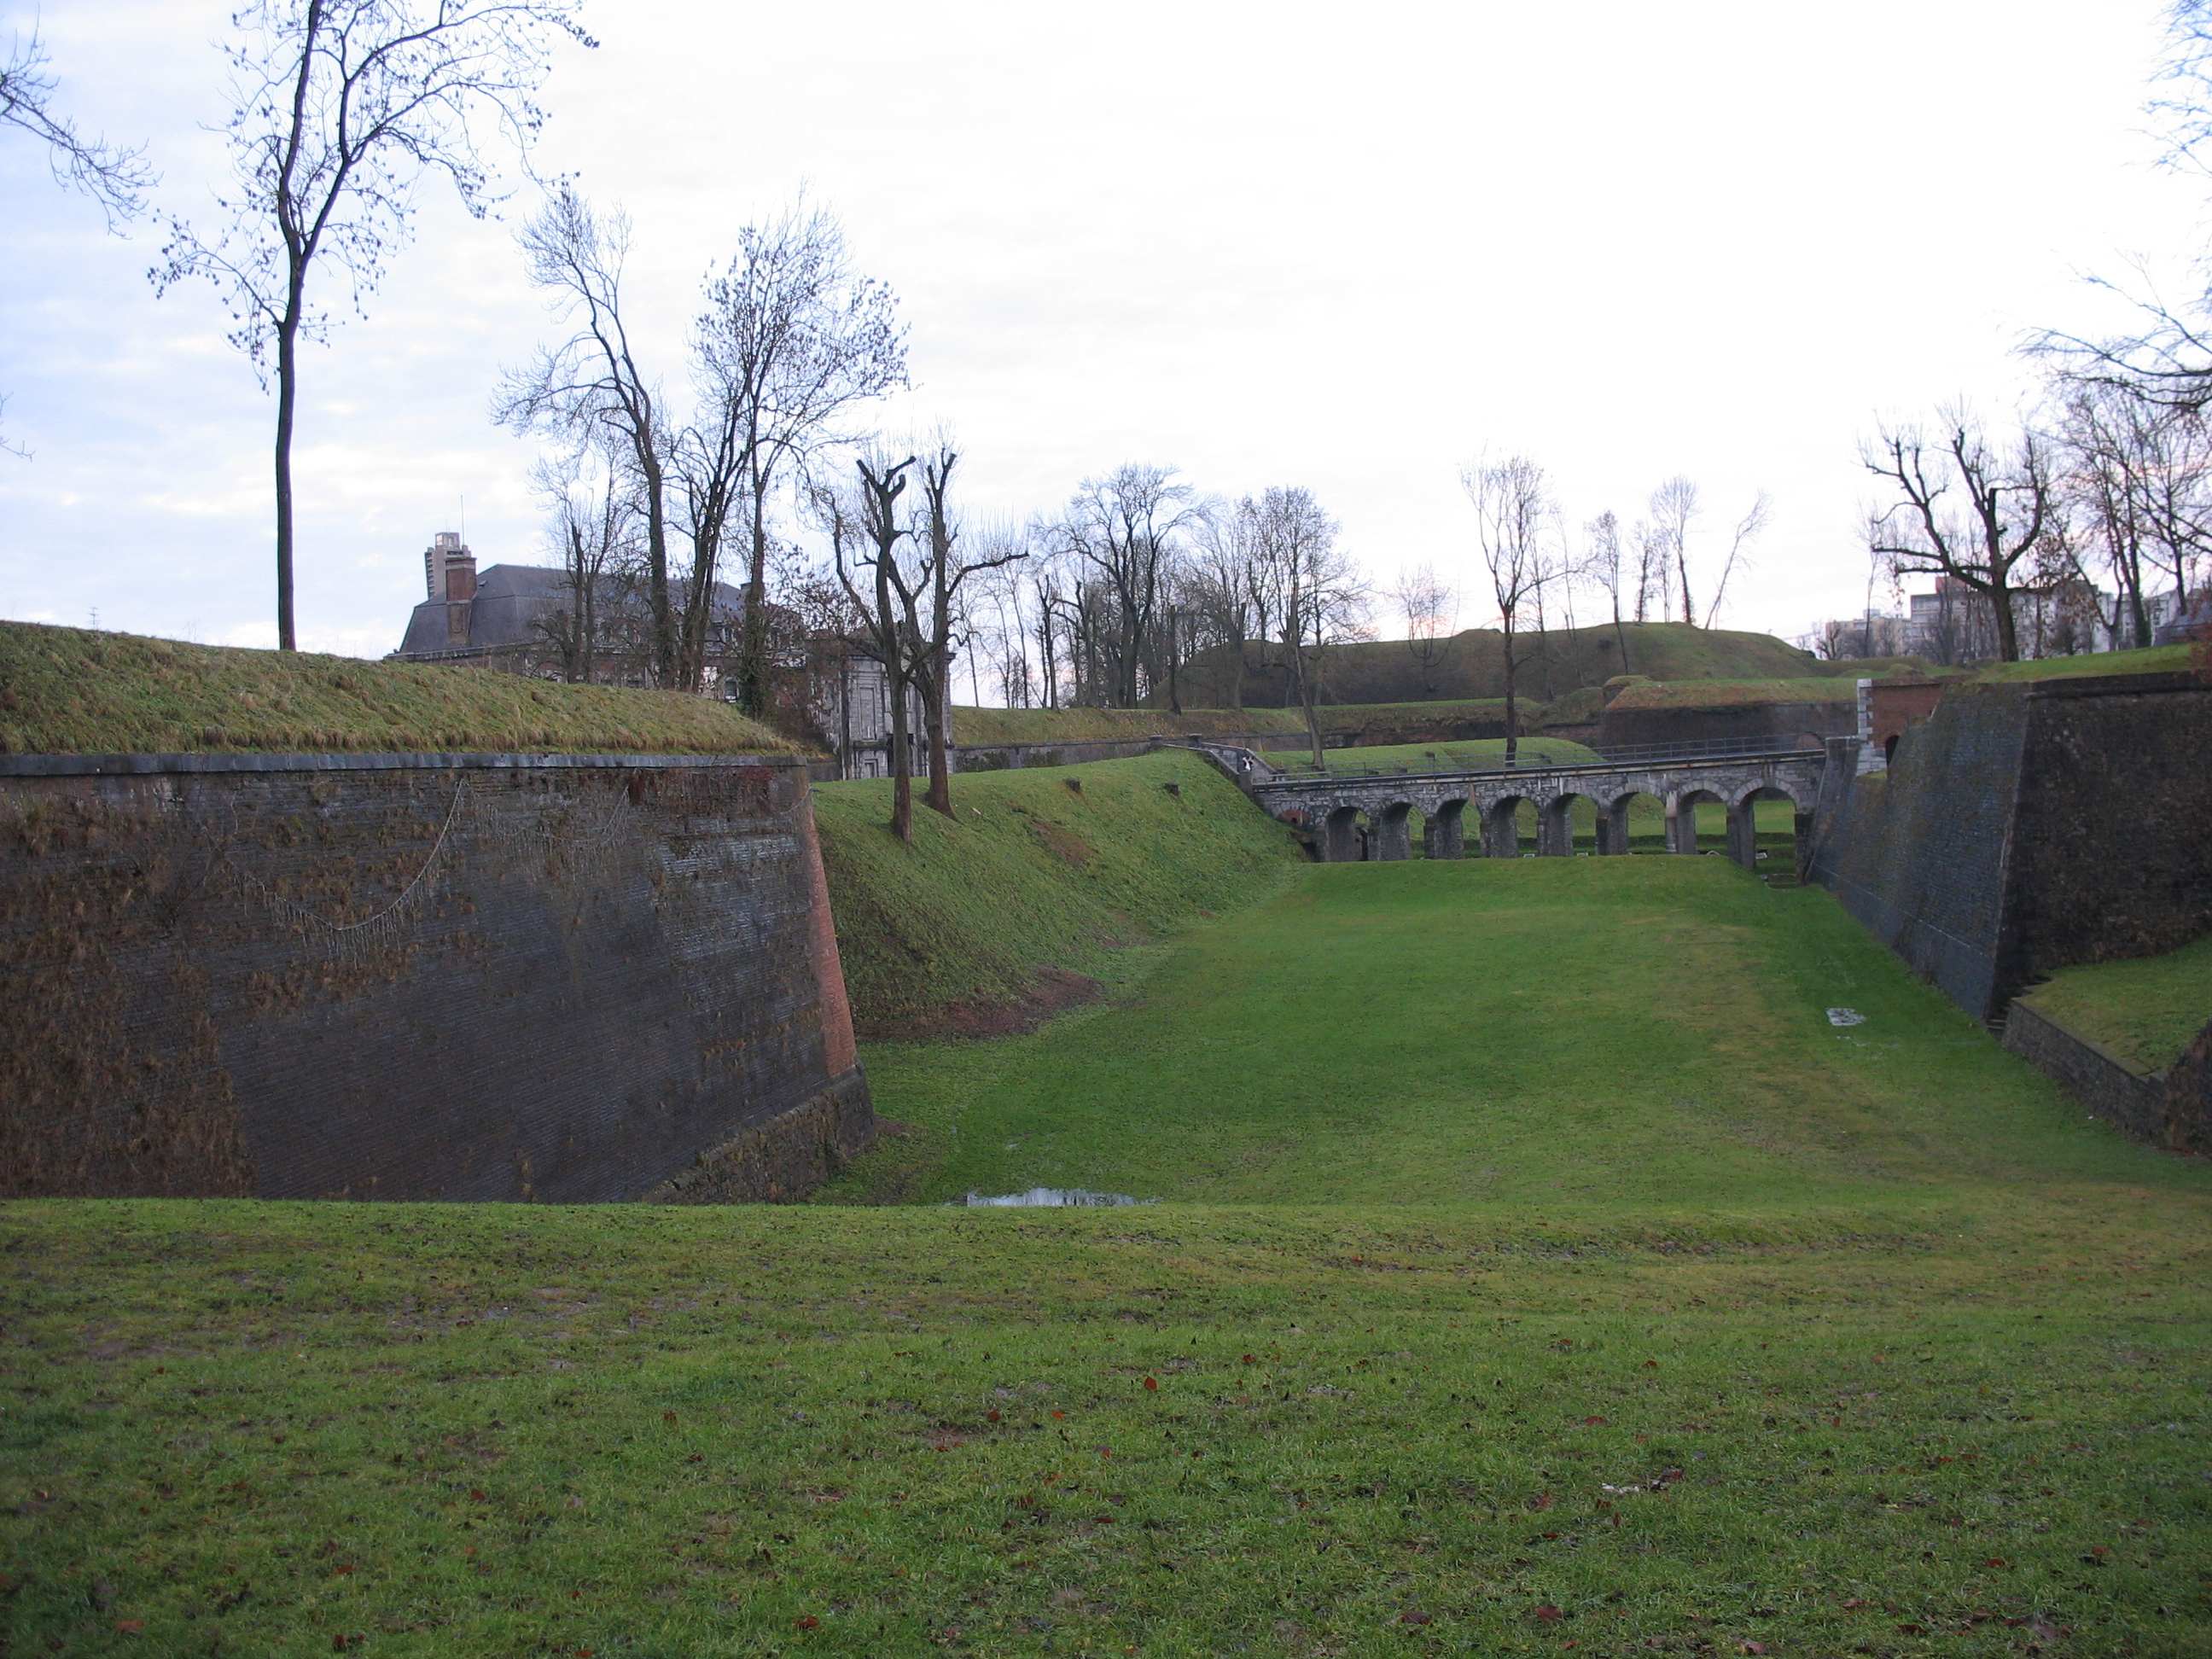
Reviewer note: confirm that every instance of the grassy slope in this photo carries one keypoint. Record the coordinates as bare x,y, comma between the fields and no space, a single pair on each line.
2145,1011
1384,670
1731,694
991,726
1573,1314
1031,874
68,690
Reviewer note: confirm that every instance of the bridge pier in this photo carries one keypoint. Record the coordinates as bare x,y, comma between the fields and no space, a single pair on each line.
1555,828
1443,832
1501,836
1682,826
1612,829
1392,836
1743,834
1338,841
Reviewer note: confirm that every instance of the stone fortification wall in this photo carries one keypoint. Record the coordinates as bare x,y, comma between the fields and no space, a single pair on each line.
2024,828
2135,1101
418,976
1787,724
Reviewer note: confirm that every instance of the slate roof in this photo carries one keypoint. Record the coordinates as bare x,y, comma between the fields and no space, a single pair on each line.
511,600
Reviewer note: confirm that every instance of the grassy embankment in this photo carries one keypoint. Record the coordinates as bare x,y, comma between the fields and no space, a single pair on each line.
1048,725
1032,873
1734,693
2145,1012
69,690
1539,1267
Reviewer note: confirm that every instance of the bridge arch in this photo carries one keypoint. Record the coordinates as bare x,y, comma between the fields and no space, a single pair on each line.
1614,829
1743,821
1682,816
1340,840
1443,829
1555,825
1389,837
1501,827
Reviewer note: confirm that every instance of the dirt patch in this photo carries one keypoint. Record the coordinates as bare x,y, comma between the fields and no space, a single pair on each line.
1062,841
1055,992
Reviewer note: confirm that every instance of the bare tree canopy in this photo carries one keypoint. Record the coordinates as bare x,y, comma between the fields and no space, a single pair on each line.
866,530
1965,509
590,382
1431,605
1121,534
113,175
1315,592
1748,529
1512,512
339,110
1675,507
792,336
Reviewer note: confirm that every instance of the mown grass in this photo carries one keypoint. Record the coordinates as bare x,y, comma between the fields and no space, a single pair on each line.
1541,1269
1733,694
1033,872
70,690
2145,1011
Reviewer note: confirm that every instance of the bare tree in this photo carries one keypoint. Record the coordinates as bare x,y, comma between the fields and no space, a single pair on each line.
592,381
1965,509
594,519
792,336
1226,585
864,532
1318,597
931,645
114,175
338,109
1432,608
1512,509
1674,509
1748,530
1119,530
1602,537
1651,571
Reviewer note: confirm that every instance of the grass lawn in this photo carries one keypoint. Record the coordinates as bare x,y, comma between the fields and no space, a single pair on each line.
2145,1011
2149,659
70,690
1473,752
1536,1266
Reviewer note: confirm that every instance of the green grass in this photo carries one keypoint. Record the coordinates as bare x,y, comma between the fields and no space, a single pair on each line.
1048,725
2151,659
69,690
2145,1011
1031,874
1734,694
1437,757
1539,1267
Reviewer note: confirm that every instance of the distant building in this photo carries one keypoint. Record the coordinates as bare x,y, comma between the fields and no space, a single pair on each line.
849,698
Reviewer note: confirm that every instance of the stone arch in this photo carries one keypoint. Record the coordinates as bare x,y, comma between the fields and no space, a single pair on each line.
1555,825
1389,837
1444,830
1612,819
1743,823
1501,827
1339,840
1682,816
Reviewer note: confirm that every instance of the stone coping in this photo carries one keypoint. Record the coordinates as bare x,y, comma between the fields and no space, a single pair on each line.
81,766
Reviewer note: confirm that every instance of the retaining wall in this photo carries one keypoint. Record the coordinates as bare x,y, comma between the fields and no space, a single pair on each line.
2027,827
1786,725
2134,1100
457,976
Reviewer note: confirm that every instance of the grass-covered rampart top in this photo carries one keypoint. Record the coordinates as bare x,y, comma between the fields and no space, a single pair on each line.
1032,873
70,690
1047,725
1732,694
2145,1011
1472,755
2150,659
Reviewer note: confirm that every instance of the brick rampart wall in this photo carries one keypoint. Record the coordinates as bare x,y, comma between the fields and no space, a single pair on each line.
2026,827
417,976
1787,724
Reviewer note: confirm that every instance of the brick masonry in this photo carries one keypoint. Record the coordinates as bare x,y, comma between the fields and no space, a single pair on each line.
418,976
2134,1100
2025,827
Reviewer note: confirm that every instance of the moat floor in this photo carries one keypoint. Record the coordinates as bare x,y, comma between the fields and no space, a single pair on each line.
1536,1266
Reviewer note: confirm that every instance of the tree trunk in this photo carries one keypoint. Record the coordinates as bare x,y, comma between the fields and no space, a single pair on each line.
288,379
752,654
1682,564
656,554
1513,708
1619,633
1174,692
901,759
2001,612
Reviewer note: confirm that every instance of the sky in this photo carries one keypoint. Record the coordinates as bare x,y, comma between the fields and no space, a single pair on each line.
1352,249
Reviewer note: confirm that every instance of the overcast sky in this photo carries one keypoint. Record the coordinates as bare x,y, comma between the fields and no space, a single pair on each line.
1344,247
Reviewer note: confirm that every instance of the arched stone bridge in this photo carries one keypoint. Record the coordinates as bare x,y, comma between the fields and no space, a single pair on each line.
1329,808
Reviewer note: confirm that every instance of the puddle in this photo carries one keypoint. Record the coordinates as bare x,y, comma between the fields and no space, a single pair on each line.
1846,1016
1050,1198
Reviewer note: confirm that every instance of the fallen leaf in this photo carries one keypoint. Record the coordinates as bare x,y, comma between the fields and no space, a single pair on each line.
1542,1500
1754,1647
1549,1614
1151,1385
131,1628
1594,1422
1410,1617
806,1621
991,1415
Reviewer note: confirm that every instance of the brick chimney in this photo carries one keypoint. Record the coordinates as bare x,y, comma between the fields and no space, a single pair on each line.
449,570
